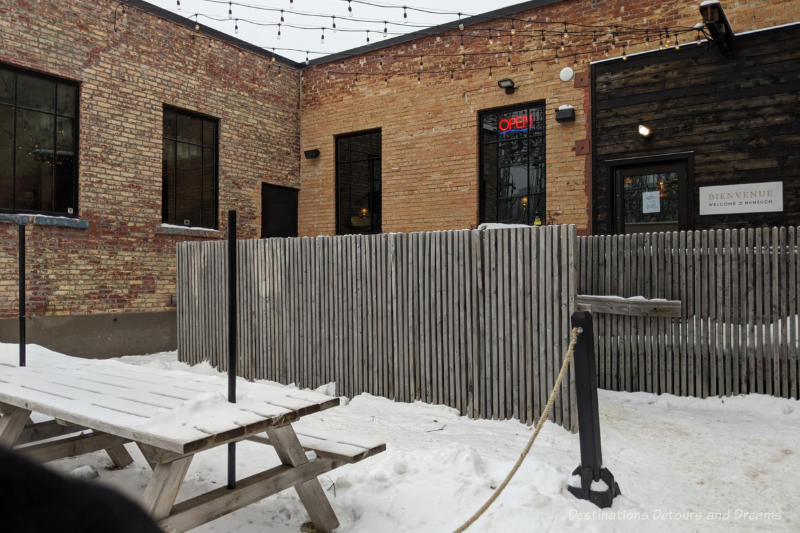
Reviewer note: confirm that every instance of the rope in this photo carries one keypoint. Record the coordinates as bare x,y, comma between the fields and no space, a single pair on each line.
573,340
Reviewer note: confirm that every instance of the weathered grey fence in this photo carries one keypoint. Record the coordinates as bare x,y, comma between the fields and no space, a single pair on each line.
738,330
478,320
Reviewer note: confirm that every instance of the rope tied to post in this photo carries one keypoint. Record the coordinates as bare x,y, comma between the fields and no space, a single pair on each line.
564,366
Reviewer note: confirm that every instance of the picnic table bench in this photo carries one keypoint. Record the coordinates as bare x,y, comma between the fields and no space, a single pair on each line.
172,415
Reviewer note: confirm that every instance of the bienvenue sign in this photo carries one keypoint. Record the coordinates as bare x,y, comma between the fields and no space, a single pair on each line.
744,198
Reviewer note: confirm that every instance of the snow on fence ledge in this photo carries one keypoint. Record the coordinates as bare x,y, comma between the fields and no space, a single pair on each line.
477,320
738,328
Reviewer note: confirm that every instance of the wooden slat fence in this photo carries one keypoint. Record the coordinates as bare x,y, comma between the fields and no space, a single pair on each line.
477,320
738,330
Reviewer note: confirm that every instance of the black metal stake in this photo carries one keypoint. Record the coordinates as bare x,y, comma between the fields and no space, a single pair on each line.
22,303
591,467
232,337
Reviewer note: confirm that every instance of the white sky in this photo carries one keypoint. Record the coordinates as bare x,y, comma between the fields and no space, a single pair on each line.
266,36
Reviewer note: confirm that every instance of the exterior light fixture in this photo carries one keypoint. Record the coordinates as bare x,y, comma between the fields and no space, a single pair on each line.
644,131
311,154
507,84
565,113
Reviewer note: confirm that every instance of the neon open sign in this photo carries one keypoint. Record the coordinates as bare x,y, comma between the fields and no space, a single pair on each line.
515,124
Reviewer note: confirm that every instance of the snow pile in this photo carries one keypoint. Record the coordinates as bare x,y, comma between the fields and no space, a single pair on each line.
683,464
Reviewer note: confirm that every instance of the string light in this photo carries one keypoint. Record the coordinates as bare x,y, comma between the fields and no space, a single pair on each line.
509,60
349,9
624,53
196,24
460,24
179,4
490,72
419,78
322,37
279,33
513,30
306,57
463,61
281,22
405,15
386,78
380,62
291,3
230,9
367,35
236,26
385,29
491,40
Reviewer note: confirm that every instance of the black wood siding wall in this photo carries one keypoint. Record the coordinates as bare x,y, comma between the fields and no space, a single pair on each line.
740,116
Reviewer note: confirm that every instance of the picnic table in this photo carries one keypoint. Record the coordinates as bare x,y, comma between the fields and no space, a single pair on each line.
172,415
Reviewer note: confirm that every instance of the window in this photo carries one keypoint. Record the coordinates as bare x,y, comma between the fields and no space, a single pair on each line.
358,183
38,143
649,197
278,211
189,169
512,168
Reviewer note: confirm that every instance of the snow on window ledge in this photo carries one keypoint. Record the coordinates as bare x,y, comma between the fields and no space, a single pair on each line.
172,229
32,219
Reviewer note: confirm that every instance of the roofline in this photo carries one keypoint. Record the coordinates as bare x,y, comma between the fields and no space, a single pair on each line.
206,30
433,30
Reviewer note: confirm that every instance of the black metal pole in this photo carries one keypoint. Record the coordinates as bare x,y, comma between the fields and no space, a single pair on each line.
22,303
232,337
591,467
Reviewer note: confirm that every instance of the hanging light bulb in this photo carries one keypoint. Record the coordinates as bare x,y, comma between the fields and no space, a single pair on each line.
385,29
460,24
306,57
531,69
509,60
230,9
510,44
380,62
461,44
236,26
291,3
281,21
368,36
677,43
566,31
196,24
543,38
386,78
279,33
490,72
699,38
463,61
419,77
491,40
594,39
452,76
624,53
647,36
513,30
322,37
405,15
333,25
179,4
438,38
349,9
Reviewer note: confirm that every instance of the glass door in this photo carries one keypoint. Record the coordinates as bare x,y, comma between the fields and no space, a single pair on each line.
651,197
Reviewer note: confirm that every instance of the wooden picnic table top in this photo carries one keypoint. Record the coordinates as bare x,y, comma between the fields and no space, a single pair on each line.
182,412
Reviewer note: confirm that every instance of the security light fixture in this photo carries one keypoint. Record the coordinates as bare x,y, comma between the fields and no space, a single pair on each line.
644,131
507,84
311,154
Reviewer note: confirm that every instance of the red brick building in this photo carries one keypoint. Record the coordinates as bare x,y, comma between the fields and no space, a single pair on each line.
149,130
101,261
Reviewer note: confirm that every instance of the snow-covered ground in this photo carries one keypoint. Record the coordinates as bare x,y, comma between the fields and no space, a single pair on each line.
683,464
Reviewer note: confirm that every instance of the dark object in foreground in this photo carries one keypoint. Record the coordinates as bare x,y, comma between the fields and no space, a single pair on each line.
591,467
36,499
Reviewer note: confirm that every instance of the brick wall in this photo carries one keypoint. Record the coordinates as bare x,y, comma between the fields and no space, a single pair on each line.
430,129
122,263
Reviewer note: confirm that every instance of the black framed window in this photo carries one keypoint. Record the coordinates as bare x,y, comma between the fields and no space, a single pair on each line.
38,143
358,183
189,169
512,168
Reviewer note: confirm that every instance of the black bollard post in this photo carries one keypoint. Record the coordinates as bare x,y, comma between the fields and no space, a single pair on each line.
232,337
591,467
22,302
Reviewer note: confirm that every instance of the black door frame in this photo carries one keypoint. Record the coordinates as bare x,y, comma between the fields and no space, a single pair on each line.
686,210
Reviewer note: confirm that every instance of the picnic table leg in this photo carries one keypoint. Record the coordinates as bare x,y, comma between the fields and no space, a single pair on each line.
162,489
119,456
12,423
291,453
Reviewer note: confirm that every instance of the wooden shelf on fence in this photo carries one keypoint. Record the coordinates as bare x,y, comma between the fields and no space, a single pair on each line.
636,306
